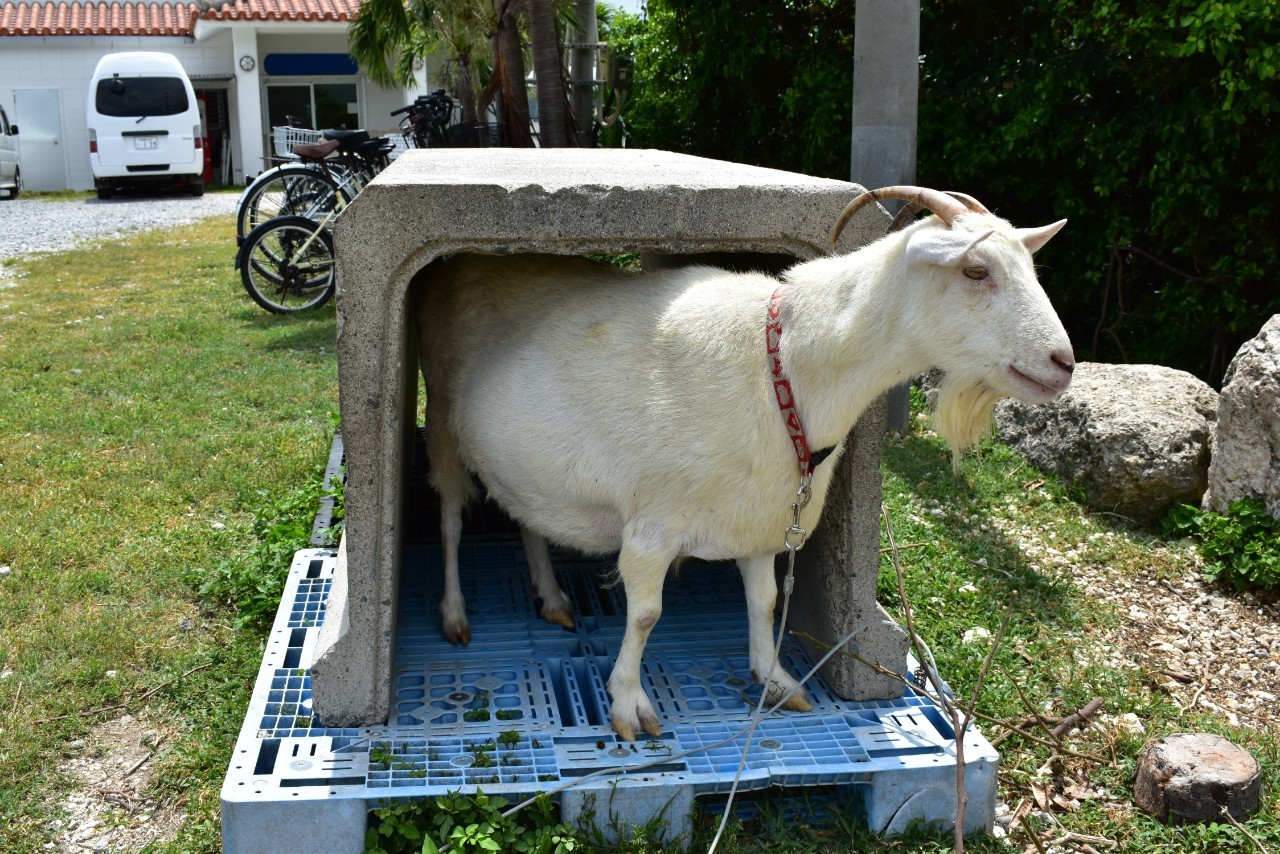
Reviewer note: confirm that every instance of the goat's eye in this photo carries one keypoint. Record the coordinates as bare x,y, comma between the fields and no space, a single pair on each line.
975,273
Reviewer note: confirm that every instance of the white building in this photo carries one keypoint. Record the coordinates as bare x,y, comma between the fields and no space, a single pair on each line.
252,63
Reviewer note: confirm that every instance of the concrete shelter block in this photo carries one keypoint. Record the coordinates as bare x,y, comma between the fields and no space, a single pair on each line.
433,203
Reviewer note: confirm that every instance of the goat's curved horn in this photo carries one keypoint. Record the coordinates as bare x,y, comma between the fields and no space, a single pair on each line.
910,209
908,213
969,202
946,207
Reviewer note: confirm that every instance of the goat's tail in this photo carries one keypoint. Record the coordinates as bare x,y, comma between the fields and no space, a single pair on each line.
964,414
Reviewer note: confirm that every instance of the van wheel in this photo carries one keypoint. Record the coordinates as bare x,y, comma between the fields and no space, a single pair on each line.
105,192
196,188
17,185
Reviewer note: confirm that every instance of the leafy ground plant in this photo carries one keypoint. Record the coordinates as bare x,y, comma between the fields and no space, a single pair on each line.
250,579
469,823
1241,546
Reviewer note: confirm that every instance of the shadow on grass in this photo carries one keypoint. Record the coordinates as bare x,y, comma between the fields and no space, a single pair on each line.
923,467
313,329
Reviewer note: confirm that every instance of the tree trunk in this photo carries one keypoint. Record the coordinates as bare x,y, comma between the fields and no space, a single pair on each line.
466,90
515,90
552,112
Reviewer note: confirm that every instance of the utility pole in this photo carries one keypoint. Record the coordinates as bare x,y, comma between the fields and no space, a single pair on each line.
886,82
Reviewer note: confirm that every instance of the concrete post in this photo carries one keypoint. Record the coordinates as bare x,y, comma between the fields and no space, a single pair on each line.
244,42
583,67
886,74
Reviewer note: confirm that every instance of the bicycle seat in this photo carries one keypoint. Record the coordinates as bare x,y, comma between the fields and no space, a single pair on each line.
375,147
316,150
348,139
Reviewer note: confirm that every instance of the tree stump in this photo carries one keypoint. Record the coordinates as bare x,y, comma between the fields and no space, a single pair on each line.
1190,777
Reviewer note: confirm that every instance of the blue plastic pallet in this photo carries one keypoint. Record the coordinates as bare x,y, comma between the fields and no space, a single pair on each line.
523,708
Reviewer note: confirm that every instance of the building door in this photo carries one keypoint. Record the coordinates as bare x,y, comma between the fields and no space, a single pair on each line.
38,114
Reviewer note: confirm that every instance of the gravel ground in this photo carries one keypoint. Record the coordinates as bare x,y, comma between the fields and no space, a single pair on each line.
1204,645
35,226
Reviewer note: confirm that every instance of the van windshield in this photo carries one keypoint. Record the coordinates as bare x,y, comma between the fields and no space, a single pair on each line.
141,96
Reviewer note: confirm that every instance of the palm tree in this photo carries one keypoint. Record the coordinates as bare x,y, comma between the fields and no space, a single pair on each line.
389,36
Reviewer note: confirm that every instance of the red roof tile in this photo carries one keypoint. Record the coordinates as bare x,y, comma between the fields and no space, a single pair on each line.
284,10
57,18
91,19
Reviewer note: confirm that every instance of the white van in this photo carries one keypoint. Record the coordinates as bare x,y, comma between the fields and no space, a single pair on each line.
144,124
10,169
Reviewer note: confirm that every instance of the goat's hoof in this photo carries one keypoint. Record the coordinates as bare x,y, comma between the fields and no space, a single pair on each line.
799,702
651,724
626,726
457,632
559,616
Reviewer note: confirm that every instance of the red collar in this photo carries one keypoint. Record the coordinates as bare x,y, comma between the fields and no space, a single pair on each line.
782,387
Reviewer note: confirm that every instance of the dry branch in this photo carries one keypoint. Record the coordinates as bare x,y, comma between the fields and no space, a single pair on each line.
1078,718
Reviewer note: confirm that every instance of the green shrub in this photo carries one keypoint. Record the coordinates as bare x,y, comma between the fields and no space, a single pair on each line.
1241,546
1151,125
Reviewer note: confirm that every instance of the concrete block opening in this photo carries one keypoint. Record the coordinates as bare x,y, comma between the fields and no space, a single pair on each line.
669,208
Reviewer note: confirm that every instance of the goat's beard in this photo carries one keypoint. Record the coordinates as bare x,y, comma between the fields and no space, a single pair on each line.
963,414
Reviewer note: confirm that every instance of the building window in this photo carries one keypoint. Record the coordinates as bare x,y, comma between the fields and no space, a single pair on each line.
316,105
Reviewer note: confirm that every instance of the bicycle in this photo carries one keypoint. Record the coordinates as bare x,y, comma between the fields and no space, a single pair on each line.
427,119
286,263
354,158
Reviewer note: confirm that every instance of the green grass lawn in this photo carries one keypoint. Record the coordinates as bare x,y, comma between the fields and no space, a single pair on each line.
156,425
148,408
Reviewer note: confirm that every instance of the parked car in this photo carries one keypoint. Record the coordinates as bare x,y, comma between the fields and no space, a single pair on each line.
10,168
144,124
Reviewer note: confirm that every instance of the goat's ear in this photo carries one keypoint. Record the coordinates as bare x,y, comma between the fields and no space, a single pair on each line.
943,247
1035,238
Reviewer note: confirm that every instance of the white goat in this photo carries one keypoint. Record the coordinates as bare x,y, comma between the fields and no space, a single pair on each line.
612,411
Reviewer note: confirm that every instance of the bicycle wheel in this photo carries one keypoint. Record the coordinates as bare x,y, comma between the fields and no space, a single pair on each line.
295,189
287,264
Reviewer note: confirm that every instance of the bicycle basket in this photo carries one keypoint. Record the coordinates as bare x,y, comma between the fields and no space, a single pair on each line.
285,138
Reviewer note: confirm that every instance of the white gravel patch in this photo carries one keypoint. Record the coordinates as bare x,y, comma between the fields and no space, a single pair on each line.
38,226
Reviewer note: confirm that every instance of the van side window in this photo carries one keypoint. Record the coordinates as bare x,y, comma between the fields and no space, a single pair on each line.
141,96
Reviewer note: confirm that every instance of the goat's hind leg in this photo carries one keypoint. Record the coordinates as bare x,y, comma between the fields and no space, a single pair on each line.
762,597
542,580
453,606
453,484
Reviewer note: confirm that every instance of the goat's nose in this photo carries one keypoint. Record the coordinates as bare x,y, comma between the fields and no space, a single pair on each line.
1064,359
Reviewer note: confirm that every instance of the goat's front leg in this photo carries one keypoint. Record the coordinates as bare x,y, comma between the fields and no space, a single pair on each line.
762,597
643,572
542,580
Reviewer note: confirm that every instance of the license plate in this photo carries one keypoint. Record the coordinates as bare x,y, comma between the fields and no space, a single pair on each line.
146,143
